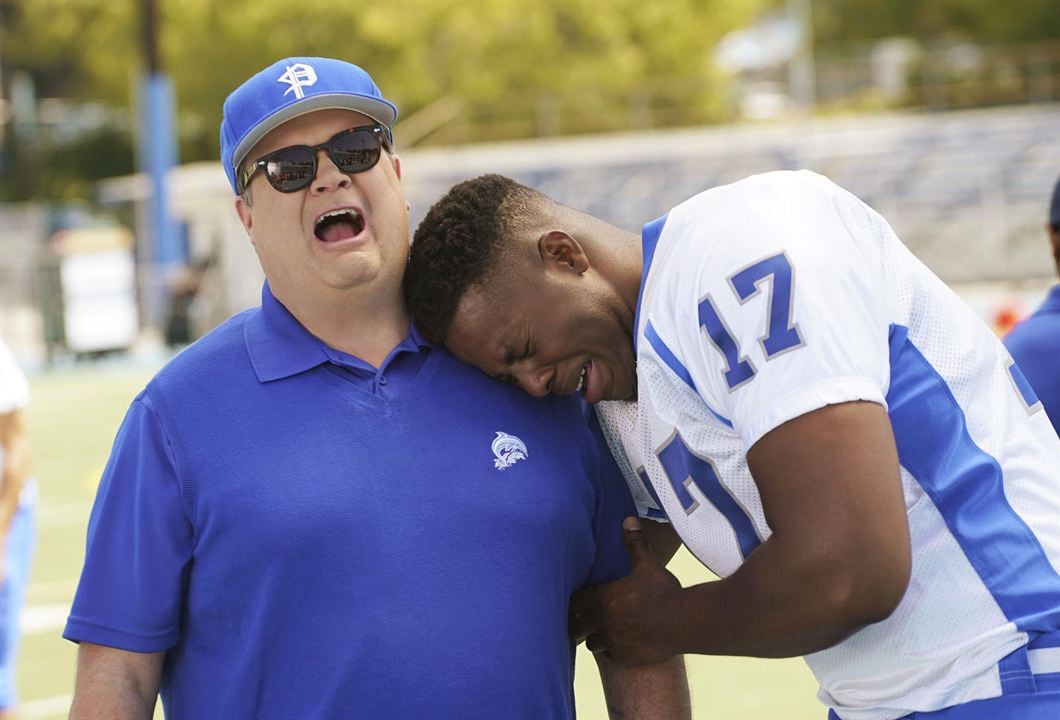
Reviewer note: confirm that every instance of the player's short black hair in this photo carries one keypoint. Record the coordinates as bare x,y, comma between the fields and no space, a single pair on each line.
457,246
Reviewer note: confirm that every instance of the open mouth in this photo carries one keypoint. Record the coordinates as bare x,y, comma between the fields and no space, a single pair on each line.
338,225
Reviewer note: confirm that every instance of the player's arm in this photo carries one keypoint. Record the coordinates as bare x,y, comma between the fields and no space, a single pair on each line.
838,558
115,684
15,446
645,692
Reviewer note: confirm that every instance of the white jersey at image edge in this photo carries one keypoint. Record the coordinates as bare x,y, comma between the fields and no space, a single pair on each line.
780,294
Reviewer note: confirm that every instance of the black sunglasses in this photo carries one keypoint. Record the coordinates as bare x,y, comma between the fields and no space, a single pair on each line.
292,168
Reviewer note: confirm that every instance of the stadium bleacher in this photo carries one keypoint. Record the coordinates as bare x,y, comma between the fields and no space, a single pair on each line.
966,191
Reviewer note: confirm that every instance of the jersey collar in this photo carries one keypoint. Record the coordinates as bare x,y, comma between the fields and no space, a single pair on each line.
649,238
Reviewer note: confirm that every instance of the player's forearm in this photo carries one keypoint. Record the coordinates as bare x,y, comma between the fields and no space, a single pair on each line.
839,557
784,604
122,706
8,500
15,465
645,692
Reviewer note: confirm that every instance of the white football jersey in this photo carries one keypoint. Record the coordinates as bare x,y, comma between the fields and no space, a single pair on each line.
780,294
14,394
14,390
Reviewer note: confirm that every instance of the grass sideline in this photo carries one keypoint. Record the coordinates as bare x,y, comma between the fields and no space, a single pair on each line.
74,414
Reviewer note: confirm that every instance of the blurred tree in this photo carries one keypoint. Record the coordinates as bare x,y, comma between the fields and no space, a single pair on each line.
78,50
498,58
516,67
964,53
64,170
840,25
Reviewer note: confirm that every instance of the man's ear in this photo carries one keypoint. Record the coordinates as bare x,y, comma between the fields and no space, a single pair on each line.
396,162
561,251
246,216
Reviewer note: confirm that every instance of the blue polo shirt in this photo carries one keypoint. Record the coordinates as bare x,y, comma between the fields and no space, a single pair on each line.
310,537
1035,346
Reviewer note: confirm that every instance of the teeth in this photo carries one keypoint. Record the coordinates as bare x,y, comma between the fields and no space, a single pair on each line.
581,381
339,213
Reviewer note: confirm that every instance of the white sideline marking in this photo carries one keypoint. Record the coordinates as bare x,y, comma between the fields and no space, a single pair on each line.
48,707
46,618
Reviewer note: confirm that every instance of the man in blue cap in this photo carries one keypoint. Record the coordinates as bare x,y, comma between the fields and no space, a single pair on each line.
1035,342
313,512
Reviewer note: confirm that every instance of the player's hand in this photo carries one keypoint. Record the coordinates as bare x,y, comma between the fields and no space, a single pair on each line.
630,620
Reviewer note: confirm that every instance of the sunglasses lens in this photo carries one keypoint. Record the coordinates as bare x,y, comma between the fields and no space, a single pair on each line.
291,169
355,151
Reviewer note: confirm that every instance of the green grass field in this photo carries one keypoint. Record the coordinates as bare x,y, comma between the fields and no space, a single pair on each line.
74,416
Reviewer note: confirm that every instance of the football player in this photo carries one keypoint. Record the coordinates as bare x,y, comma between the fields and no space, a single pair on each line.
825,424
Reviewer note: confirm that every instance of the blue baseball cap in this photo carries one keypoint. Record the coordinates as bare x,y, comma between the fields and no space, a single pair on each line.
292,87
1054,208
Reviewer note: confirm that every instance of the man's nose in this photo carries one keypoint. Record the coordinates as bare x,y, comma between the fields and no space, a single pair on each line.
537,381
329,177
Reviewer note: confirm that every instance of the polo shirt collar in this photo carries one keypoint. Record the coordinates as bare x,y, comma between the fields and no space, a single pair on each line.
412,343
415,341
278,345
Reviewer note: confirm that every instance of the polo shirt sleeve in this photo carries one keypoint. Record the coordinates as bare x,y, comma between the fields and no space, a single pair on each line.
139,544
613,504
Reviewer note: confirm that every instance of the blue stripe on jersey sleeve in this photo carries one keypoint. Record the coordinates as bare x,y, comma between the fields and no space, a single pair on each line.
667,356
966,485
649,241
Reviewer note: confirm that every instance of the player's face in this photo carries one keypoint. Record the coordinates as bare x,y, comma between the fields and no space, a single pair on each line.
342,231
548,335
